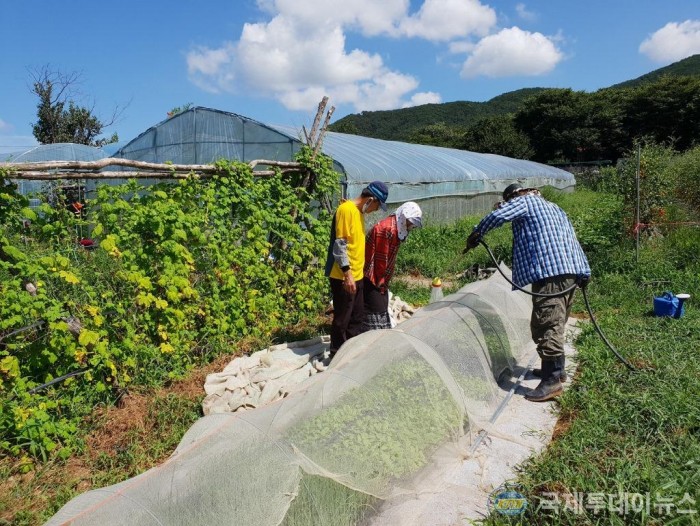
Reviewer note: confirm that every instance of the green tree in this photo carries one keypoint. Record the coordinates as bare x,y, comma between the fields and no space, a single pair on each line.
656,182
668,109
497,135
553,122
179,109
685,172
607,139
439,134
574,126
60,119
346,126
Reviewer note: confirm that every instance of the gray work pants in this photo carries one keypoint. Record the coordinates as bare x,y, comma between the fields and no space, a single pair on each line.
549,315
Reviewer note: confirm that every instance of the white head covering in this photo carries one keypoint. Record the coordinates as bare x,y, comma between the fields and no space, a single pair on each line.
410,211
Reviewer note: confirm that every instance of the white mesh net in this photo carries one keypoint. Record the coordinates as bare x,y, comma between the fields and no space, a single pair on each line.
391,408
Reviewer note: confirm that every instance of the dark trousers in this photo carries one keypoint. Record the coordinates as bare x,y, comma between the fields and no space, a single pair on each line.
549,315
348,313
376,307
375,301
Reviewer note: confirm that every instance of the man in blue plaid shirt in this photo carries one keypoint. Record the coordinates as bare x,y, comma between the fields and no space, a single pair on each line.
547,255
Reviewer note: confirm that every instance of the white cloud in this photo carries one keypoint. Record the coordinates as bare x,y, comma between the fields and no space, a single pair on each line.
5,127
267,6
385,91
523,13
425,97
673,42
444,20
512,52
303,99
461,47
369,16
274,55
210,69
300,54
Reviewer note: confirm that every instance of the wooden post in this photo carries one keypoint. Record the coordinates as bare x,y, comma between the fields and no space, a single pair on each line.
317,119
54,170
637,218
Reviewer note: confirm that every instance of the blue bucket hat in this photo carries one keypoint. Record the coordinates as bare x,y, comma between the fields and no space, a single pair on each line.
380,191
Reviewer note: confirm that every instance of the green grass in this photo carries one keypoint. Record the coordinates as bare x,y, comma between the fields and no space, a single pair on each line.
166,420
419,295
619,431
36,496
437,250
628,432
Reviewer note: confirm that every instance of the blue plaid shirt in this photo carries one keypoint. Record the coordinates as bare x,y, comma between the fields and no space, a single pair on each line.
544,242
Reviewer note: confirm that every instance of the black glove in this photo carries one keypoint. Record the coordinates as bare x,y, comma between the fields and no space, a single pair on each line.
472,241
583,281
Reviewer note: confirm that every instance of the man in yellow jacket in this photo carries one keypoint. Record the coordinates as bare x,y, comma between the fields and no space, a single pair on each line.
346,261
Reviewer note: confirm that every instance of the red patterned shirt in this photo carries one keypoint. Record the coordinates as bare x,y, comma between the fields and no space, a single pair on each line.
381,248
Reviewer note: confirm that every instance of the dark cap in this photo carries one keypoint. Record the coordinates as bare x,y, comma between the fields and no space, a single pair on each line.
510,190
380,191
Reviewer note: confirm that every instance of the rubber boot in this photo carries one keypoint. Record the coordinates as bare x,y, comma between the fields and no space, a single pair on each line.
563,377
550,386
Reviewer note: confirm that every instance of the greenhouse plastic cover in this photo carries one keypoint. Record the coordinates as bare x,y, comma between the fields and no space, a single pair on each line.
203,135
62,151
413,171
417,171
394,406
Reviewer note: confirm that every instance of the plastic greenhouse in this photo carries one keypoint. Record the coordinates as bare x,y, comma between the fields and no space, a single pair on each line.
447,183
62,151
392,412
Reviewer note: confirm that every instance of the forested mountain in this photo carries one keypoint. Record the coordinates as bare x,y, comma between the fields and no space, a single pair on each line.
401,124
398,125
688,67
555,125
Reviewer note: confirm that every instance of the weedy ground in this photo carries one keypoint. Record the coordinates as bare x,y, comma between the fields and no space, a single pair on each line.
620,433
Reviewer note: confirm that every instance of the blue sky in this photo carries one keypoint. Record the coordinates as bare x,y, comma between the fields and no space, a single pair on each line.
273,60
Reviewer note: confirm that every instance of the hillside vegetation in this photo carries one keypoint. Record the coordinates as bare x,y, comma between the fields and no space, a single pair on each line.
688,67
554,125
398,125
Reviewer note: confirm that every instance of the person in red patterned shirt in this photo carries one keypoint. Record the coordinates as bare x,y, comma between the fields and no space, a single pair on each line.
381,248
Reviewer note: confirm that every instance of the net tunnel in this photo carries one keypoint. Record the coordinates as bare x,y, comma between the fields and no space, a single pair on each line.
390,408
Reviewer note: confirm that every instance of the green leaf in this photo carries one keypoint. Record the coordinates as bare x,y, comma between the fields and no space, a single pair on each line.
88,337
29,213
14,253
